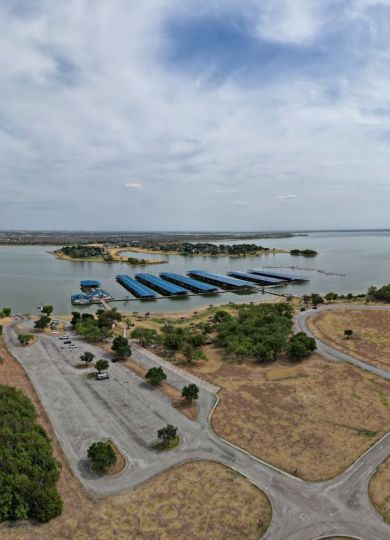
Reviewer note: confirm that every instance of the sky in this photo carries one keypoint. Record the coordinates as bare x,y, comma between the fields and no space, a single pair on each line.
194,114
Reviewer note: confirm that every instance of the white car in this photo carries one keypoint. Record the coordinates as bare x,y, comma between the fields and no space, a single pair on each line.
103,375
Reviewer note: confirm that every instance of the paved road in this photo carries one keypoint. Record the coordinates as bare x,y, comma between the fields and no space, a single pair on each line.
128,411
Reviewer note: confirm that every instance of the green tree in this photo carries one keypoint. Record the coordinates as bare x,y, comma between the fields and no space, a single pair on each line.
101,365
190,392
28,471
47,310
167,433
76,317
87,357
146,336
221,316
6,312
191,354
121,348
300,346
348,333
196,340
155,376
25,339
42,322
316,299
172,342
101,455
1,329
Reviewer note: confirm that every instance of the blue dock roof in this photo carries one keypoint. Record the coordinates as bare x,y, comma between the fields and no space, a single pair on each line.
289,276
160,284
89,283
219,278
140,291
256,278
198,286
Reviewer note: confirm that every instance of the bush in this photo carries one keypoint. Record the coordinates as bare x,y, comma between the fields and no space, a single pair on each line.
300,346
155,376
28,471
101,455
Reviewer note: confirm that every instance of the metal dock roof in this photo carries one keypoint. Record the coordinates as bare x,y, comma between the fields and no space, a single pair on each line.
140,291
219,279
256,278
89,283
159,284
289,276
192,284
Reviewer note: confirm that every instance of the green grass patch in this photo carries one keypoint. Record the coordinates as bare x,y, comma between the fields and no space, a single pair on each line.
367,432
162,446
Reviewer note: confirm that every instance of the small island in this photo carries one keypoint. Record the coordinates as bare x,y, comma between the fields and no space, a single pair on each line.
100,253
304,252
201,248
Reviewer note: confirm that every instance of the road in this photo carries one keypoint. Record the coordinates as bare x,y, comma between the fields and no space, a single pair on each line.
128,411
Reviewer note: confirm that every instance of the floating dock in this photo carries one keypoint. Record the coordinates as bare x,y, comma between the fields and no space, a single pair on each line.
261,280
219,279
189,283
158,284
286,276
92,297
138,290
89,284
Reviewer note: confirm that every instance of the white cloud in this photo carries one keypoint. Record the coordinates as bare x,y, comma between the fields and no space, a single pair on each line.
87,95
290,21
286,198
133,185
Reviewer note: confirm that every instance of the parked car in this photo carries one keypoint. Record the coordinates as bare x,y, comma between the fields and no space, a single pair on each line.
72,346
64,337
67,342
103,375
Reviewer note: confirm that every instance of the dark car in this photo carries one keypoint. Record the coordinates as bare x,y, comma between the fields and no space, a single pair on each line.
67,342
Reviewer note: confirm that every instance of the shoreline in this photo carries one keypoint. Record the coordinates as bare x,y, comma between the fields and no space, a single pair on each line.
114,252
172,252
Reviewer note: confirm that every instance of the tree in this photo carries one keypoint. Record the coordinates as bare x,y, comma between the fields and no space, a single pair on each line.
191,354
121,348
101,455
155,376
190,392
300,346
42,322
348,333
316,299
331,296
47,310
167,433
76,317
28,471
101,365
6,312
87,357
172,342
146,336
1,329
25,339
196,339
221,316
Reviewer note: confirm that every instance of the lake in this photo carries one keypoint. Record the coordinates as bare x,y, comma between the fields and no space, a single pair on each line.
30,276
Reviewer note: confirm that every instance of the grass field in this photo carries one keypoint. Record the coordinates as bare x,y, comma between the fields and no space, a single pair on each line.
312,419
379,490
199,500
371,333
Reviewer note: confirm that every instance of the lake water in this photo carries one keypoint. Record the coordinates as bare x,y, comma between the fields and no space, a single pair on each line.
30,276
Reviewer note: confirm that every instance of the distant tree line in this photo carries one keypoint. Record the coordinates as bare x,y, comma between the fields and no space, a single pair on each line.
382,294
83,252
304,252
202,248
28,470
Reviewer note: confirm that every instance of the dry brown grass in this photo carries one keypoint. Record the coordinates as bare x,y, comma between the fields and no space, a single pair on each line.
312,419
371,339
199,500
379,490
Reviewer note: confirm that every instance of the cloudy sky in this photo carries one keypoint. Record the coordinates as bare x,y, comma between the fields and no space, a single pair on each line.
194,114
